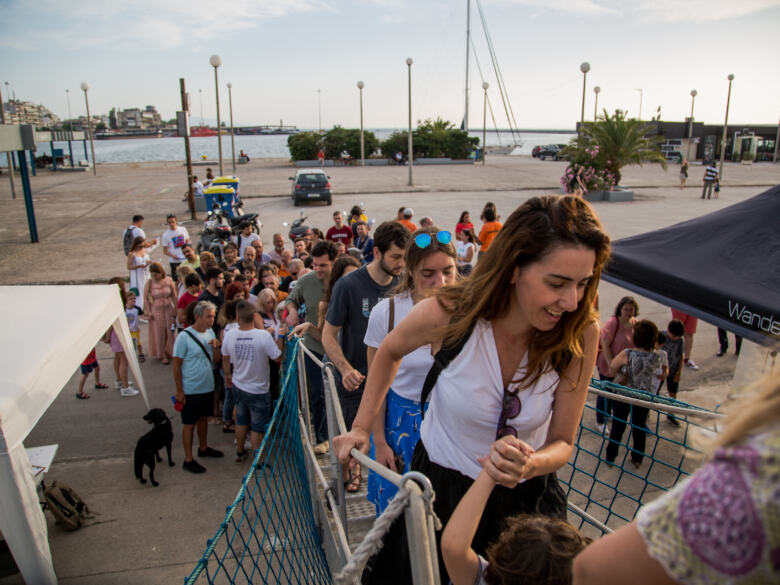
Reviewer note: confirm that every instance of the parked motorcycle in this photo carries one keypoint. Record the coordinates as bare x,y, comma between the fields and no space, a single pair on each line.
298,229
215,234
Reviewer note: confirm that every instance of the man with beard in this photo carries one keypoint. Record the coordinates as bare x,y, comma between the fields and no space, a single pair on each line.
352,299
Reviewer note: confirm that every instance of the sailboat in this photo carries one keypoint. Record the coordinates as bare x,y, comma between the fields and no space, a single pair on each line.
503,92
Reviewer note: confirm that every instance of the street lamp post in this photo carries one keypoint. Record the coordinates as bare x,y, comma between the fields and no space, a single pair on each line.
641,95
200,95
725,127
319,109
215,62
596,90
360,86
85,88
409,157
694,93
485,86
70,116
584,67
232,134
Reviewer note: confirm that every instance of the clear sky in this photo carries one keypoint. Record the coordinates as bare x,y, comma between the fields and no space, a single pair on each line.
279,53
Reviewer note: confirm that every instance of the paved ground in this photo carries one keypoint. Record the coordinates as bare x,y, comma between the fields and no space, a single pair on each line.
155,535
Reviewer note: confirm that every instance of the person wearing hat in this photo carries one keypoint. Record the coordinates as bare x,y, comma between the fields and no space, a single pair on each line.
245,237
407,220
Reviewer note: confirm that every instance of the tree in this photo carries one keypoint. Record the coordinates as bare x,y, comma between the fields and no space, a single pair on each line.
304,145
352,143
398,141
613,142
100,126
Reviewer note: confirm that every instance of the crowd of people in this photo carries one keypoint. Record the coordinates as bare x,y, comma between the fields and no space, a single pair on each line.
464,356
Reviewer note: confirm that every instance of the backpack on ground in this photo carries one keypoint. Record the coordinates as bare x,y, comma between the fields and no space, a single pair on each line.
68,509
127,239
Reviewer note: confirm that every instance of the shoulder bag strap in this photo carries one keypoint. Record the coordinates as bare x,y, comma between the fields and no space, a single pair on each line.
391,317
200,345
441,360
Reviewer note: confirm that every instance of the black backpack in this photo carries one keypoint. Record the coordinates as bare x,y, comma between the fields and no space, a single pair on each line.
68,509
127,239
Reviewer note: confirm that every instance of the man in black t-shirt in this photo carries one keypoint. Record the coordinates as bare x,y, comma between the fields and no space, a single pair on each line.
350,304
215,281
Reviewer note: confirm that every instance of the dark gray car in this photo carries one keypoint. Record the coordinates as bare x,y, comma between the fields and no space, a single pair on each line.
310,185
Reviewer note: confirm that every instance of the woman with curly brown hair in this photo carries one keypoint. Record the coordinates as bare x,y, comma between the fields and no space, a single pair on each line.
519,338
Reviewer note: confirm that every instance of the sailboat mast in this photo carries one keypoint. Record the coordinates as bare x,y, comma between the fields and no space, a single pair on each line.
468,43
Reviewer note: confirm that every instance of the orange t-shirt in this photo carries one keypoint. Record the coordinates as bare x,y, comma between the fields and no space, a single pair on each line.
408,225
488,232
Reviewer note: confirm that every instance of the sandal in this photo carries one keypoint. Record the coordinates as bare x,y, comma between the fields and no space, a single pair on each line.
101,386
352,485
165,361
141,358
82,395
228,427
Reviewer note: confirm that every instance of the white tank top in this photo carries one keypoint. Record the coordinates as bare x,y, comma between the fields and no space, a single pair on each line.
466,402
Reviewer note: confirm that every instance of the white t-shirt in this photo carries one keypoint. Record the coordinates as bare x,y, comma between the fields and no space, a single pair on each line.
461,248
249,352
197,188
462,419
243,242
414,367
173,240
137,232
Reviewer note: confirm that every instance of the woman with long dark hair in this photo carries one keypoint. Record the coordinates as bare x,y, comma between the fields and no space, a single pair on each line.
516,344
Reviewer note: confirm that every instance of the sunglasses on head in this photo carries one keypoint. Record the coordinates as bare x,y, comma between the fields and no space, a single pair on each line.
424,240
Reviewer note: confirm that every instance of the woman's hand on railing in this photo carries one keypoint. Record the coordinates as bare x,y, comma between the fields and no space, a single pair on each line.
357,438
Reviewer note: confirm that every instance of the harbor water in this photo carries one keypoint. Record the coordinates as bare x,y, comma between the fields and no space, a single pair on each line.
256,146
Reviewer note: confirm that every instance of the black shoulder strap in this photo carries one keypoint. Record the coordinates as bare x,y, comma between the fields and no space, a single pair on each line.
208,357
391,315
441,360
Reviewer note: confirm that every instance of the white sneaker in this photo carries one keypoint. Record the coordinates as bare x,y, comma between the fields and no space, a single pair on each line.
117,385
129,392
600,428
321,448
692,364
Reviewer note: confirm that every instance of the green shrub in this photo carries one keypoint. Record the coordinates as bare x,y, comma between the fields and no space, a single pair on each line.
747,155
304,145
398,141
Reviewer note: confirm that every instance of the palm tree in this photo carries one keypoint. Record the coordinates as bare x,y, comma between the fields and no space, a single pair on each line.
620,142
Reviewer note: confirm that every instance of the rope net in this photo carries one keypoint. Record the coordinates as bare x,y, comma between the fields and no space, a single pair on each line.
604,486
269,534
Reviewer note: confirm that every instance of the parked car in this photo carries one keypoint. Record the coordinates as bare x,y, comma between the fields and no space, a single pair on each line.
310,185
549,151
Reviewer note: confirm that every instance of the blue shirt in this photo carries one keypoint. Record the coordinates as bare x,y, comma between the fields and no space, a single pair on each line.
196,372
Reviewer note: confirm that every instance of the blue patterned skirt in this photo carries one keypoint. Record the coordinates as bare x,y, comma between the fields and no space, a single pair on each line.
402,431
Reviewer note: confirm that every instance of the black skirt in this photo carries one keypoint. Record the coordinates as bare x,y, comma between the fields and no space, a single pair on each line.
538,495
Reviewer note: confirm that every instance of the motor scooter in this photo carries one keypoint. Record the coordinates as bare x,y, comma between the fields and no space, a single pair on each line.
215,234
298,229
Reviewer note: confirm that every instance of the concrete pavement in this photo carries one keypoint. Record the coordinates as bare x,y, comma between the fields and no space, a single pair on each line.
155,535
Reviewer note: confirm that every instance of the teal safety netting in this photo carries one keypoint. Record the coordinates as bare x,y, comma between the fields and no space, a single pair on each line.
269,534
603,495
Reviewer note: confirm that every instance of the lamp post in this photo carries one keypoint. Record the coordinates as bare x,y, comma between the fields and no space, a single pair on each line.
319,109
725,127
584,67
409,158
485,86
85,88
200,95
641,95
232,134
596,90
694,93
70,116
360,86
215,63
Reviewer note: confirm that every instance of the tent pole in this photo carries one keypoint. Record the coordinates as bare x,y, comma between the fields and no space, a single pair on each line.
21,518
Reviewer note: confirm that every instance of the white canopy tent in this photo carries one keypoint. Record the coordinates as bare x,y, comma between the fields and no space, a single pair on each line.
48,332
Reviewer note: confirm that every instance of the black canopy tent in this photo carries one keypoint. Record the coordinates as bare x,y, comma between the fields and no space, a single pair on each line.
723,267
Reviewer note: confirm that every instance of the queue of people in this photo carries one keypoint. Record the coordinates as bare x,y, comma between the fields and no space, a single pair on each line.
465,357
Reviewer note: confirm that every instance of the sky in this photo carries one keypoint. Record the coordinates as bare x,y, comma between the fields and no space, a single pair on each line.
299,60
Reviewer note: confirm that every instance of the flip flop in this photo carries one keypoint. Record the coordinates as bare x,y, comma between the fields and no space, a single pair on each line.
141,358
101,386
165,361
82,396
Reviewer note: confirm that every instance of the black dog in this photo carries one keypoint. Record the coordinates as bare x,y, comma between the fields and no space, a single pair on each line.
148,447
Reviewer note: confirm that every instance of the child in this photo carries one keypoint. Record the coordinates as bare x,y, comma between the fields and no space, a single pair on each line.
133,314
674,346
531,549
89,364
663,367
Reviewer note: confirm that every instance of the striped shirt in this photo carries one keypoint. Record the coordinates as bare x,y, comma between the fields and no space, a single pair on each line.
711,173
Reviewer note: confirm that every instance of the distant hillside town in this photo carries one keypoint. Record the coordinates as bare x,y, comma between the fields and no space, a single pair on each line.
148,118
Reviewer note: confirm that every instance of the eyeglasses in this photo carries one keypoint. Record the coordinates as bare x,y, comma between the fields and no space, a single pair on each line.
510,408
294,274
424,240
